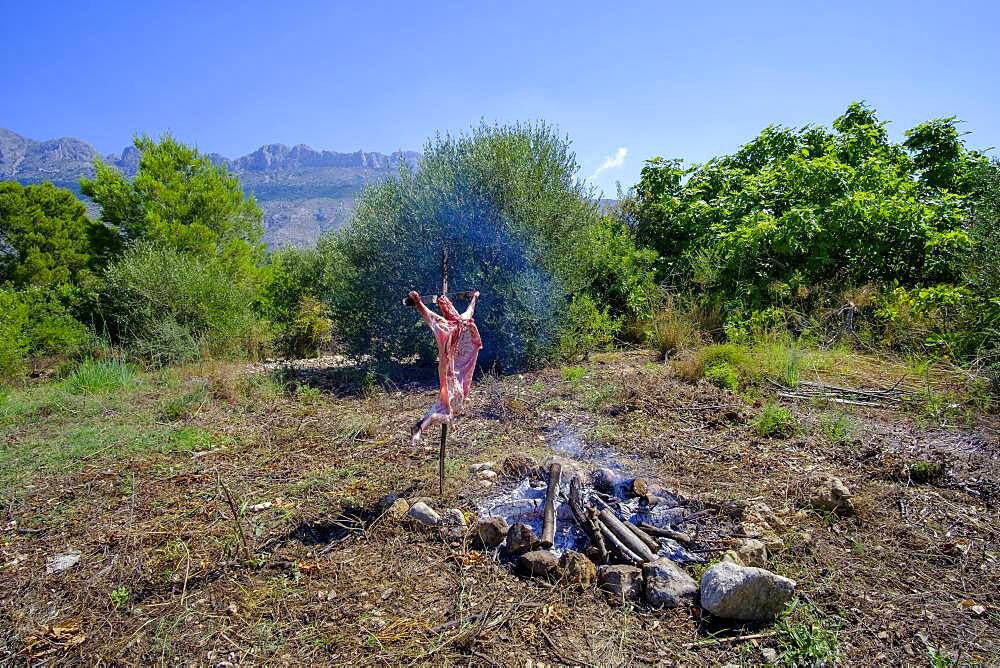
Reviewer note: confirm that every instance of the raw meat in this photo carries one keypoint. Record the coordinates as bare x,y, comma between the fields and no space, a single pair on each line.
458,345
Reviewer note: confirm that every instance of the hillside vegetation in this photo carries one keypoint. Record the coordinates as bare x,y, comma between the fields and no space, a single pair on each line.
815,313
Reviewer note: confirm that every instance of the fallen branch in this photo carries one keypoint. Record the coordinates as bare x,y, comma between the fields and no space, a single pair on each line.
650,542
625,535
549,515
624,553
585,521
236,519
679,536
730,640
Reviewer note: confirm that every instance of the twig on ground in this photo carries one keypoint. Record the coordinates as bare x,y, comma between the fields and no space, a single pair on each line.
236,519
730,640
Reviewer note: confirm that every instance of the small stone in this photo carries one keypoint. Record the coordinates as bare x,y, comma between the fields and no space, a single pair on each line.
486,474
424,514
765,534
520,539
453,517
492,531
231,609
732,591
538,563
769,655
57,563
478,468
640,487
751,552
577,569
828,493
622,581
397,510
517,465
667,584
485,484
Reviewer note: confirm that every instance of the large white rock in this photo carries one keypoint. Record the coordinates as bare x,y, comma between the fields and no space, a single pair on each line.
667,584
746,593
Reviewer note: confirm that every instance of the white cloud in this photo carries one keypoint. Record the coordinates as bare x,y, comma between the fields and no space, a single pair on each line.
612,162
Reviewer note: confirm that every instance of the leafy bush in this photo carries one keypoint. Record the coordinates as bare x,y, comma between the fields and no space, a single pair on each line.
587,328
794,211
164,302
51,328
722,374
14,342
774,420
310,329
505,203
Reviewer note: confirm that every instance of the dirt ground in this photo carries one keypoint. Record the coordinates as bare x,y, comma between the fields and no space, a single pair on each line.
910,578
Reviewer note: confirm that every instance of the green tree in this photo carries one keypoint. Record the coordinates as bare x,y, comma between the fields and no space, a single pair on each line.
46,238
796,208
506,204
180,199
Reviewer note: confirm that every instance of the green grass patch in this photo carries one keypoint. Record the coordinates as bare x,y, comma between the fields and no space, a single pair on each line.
774,420
573,374
923,471
837,429
807,639
722,374
101,377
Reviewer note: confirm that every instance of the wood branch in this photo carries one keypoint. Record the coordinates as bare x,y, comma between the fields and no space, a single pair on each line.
441,455
650,542
236,519
619,547
624,535
549,513
679,536
585,520
833,400
730,640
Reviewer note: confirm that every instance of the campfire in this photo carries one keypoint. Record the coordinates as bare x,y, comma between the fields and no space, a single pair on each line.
610,517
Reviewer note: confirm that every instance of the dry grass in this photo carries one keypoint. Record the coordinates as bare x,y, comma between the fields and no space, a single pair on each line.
329,583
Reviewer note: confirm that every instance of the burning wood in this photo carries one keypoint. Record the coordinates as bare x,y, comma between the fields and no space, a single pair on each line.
549,521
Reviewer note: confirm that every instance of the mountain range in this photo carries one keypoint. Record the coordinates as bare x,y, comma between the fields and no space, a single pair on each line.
302,191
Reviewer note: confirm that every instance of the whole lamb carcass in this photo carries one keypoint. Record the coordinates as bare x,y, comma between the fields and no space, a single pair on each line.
458,343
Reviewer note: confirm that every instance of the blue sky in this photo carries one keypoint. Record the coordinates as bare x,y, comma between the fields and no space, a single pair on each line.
625,81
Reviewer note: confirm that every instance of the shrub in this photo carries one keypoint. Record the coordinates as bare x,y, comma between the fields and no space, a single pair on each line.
587,328
14,342
837,429
722,374
671,330
774,420
923,471
166,303
310,329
